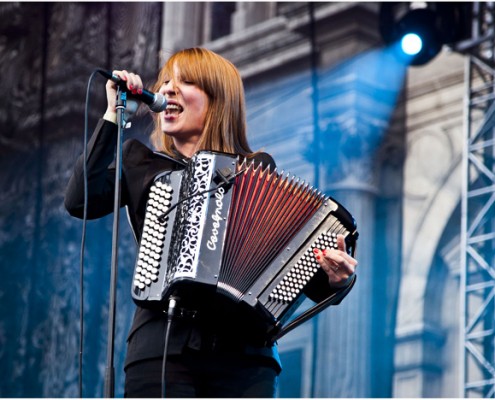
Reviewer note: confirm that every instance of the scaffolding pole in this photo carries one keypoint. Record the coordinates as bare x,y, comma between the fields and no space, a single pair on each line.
477,283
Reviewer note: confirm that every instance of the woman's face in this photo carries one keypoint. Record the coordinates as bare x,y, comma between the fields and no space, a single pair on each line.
184,117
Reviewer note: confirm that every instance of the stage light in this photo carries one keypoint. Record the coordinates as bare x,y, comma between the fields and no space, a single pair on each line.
419,30
411,44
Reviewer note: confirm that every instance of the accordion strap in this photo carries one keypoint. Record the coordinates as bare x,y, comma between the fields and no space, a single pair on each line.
334,298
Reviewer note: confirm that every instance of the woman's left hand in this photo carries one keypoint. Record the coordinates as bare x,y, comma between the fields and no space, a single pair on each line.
338,265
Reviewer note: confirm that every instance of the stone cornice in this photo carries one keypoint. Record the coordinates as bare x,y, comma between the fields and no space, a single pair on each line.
282,39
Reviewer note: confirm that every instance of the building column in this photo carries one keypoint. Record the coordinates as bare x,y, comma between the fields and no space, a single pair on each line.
362,154
183,26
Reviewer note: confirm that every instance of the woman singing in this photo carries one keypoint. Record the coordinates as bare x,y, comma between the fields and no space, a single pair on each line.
205,111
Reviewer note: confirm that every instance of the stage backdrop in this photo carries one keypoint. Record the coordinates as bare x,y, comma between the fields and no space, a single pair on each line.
47,54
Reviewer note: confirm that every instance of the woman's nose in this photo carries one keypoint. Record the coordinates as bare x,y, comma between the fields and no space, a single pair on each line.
168,88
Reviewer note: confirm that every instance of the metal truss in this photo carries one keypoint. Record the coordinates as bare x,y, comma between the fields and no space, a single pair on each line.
477,366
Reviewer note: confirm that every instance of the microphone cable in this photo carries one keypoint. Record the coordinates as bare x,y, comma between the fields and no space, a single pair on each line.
83,239
170,316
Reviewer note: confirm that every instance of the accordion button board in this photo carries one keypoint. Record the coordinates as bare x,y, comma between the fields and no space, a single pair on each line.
151,248
293,283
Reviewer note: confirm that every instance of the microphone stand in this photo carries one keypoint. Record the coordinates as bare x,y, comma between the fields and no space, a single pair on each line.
109,388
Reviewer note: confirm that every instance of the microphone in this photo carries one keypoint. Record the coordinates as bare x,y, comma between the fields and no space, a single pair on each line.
155,101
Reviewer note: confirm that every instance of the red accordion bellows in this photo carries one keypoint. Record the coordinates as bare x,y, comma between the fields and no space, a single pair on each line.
268,209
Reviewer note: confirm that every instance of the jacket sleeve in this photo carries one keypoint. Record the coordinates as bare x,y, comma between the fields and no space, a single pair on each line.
100,174
318,288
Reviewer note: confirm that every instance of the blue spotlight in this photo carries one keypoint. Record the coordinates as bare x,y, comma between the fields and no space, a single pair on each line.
435,23
411,44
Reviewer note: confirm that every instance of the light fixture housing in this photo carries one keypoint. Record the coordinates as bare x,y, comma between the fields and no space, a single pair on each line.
435,24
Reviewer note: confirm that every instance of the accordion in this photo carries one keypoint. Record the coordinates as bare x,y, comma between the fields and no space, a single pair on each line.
240,233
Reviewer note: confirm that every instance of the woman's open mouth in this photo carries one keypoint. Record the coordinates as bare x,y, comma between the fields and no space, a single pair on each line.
173,109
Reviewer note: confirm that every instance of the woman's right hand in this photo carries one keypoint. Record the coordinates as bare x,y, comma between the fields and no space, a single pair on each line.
133,82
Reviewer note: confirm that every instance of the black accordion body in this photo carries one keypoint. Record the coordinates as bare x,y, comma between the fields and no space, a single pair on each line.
239,233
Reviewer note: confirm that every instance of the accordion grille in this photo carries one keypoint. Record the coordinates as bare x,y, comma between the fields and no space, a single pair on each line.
268,209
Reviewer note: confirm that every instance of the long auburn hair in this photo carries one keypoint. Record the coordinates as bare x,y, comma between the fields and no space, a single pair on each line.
225,122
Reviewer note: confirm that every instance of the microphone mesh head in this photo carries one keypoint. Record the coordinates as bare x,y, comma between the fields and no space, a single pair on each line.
159,103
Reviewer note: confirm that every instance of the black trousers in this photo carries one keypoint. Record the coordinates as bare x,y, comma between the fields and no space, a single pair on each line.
199,374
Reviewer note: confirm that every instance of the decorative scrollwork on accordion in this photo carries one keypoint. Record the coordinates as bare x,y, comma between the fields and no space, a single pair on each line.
189,225
239,230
